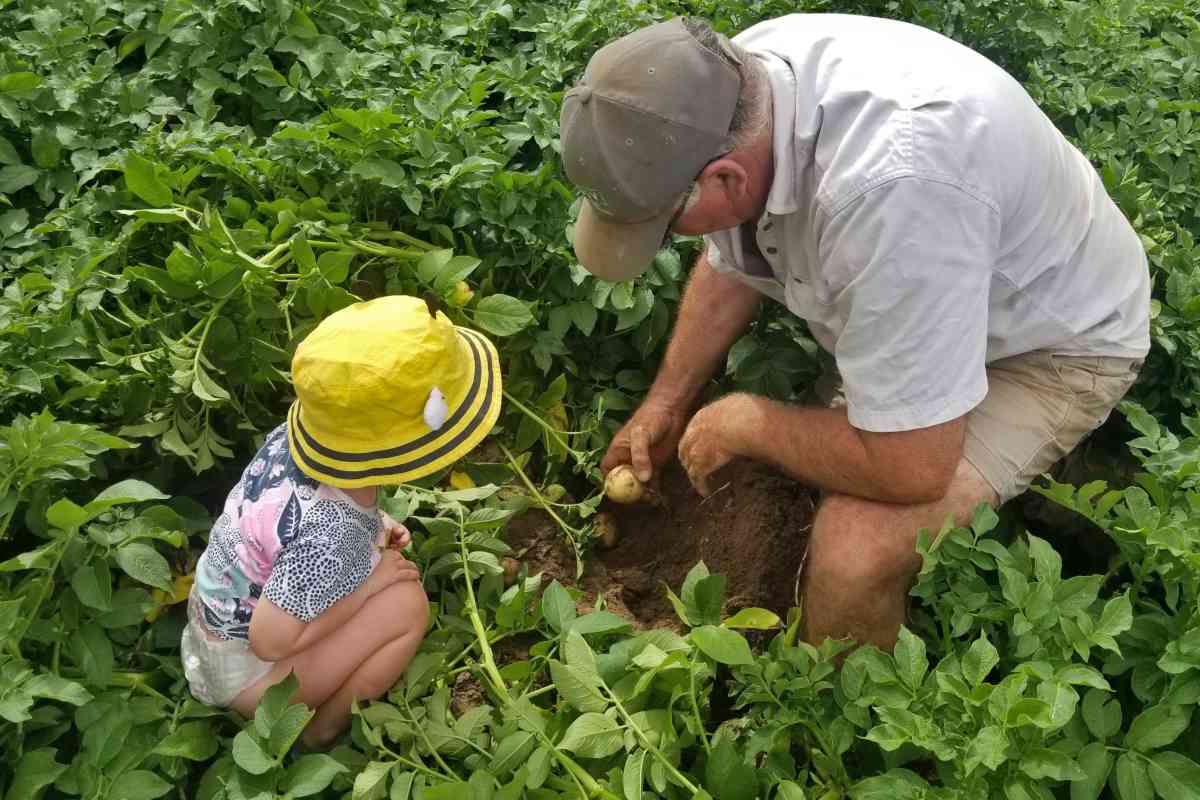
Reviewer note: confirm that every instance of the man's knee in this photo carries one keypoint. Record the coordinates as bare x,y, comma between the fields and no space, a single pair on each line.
860,542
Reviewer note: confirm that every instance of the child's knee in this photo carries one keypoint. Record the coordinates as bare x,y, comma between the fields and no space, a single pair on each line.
408,605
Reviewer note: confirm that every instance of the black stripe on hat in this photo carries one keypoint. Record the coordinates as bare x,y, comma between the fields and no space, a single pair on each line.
483,362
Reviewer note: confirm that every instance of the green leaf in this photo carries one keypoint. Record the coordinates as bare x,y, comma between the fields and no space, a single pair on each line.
1101,714
19,81
143,181
911,662
193,740
704,601
592,736
759,619
302,252
1096,763
138,784
249,755
66,515
143,563
310,774
335,265
1047,564
1041,762
45,148
721,644
92,584
1175,776
989,747
599,622
979,660
576,688
287,729
1157,726
385,170
502,315
580,657
371,780
15,177
128,491
557,607
728,776
1133,782
8,153
11,223
94,654
633,776
36,770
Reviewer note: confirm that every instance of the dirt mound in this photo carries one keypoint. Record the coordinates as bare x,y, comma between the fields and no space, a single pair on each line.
753,531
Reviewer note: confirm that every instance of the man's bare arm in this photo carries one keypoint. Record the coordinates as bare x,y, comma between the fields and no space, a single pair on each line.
820,447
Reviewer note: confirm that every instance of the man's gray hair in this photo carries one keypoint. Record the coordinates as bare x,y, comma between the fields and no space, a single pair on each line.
752,115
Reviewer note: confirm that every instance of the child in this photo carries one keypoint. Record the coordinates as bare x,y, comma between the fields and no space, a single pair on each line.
302,571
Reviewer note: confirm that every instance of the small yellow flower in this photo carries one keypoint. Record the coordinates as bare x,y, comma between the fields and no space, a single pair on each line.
180,589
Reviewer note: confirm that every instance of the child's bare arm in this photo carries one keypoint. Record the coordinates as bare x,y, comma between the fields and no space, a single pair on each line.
275,634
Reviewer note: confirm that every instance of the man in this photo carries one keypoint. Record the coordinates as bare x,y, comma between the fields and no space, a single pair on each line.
986,303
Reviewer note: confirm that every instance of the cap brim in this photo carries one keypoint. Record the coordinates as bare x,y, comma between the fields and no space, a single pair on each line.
617,251
330,459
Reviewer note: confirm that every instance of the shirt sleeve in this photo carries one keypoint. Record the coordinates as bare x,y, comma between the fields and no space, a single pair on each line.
331,555
909,267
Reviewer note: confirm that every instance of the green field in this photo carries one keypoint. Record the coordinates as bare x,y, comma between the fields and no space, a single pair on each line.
187,188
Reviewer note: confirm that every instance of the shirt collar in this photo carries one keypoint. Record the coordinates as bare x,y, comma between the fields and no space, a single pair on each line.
788,148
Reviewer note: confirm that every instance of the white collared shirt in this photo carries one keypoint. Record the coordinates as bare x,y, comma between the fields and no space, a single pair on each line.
926,218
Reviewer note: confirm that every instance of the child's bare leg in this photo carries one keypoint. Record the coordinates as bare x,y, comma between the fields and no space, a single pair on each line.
398,613
371,680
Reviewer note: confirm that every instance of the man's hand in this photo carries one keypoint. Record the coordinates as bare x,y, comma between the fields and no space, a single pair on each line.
714,437
647,440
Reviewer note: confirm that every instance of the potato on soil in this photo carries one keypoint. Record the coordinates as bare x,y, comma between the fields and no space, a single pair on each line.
511,568
622,486
607,530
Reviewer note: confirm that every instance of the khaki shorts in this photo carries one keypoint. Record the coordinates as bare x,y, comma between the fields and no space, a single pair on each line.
1038,408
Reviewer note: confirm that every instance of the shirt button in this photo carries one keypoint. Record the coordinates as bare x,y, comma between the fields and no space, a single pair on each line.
772,250
767,226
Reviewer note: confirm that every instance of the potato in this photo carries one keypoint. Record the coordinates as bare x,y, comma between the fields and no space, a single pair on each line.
607,530
511,568
622,486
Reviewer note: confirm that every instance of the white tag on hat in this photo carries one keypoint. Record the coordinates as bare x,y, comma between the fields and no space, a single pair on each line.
436,410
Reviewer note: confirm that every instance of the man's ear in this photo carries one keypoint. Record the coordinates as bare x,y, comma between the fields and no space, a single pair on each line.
727,176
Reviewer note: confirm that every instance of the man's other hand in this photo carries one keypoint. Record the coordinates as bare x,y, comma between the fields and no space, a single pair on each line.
712,438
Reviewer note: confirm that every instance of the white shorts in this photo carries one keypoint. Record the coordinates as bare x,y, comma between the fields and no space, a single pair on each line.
217,670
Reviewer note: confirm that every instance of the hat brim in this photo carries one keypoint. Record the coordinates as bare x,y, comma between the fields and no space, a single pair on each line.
618,251
336,463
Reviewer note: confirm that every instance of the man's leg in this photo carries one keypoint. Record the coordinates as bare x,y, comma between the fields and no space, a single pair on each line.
862,554
862,559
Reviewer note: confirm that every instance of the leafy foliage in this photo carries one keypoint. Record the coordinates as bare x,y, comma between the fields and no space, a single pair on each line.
186,189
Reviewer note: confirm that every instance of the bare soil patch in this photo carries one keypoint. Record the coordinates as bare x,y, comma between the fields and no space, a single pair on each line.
753,530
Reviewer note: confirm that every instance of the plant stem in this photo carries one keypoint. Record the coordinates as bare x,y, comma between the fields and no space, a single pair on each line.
696,704
420,730
645,743
553,432
571,532
587,785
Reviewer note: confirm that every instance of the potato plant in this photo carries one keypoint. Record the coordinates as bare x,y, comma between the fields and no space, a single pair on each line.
187,188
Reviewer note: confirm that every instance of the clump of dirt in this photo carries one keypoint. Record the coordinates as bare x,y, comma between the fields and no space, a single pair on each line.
466,694
753,530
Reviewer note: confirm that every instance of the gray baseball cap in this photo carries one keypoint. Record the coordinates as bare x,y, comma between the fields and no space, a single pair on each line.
653,108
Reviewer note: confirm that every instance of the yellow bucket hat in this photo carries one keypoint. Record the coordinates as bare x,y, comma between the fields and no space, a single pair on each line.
387,392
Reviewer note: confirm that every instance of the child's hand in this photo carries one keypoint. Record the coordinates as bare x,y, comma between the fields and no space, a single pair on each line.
392,568
393,535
